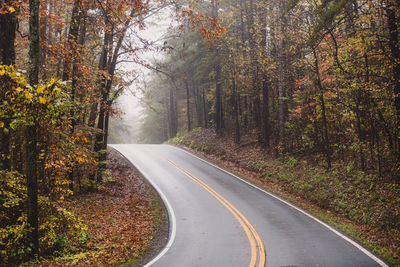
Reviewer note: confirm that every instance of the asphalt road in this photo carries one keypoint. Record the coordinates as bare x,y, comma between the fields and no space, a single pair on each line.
217,219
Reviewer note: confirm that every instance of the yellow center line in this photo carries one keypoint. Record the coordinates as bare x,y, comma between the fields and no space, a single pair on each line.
251,233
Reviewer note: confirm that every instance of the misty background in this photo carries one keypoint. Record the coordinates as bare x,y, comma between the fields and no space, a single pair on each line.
125,127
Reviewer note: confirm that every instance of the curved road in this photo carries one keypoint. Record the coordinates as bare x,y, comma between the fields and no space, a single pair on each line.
217,219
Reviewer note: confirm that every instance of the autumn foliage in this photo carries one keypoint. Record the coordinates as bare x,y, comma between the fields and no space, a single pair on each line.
44,105
59,78
312,82
306,77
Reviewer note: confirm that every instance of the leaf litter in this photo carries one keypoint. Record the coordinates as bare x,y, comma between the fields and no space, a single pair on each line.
127,222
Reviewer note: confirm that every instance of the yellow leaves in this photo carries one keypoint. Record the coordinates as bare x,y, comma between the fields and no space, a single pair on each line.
80,139
14,231
43,89
28,95
57,89
40,89
80,160
22,80
42,100
2,71
318,110
3,233
11,9
1,124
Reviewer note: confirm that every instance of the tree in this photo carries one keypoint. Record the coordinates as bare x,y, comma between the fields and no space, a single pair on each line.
8,24
303,77
31,152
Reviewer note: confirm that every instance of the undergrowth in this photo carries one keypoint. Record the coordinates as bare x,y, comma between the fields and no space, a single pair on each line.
359,204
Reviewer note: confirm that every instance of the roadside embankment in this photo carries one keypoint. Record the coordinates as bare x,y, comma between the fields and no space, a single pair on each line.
361,205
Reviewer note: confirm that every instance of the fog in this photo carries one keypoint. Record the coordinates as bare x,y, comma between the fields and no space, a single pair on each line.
125,128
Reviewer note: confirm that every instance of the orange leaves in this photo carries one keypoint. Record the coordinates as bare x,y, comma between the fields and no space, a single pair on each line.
9,7
120,217
208,27
82,139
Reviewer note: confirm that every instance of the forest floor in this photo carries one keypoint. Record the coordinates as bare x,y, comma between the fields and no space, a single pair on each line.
353,202
127,221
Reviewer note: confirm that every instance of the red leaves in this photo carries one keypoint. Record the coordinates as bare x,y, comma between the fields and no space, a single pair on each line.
301,109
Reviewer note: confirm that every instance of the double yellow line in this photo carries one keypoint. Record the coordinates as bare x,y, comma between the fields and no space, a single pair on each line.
252,235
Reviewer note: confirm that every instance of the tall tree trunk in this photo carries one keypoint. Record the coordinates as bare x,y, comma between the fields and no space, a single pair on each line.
173,126
281,105
73,50
265,112
205,110
218,86
235,106
327,149
360,134
106,131
110,66
218,98
393,24
282,69
198,105
31,131
189,125
246,107
8,26
105,89
70,48
265,82
99,138
165,118
251,29
44,38
93,114
99,142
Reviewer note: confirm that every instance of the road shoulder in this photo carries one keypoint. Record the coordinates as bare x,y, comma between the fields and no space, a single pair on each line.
368,237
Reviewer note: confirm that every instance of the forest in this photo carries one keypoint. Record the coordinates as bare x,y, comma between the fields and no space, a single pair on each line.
302,94
304,77
319,78
59,77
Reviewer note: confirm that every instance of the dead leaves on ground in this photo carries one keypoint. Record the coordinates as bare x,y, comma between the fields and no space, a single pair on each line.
119,217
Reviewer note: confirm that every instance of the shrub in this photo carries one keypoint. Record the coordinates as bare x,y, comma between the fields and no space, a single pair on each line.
13,220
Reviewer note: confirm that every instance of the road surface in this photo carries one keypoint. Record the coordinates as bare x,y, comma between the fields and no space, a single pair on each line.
217,219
